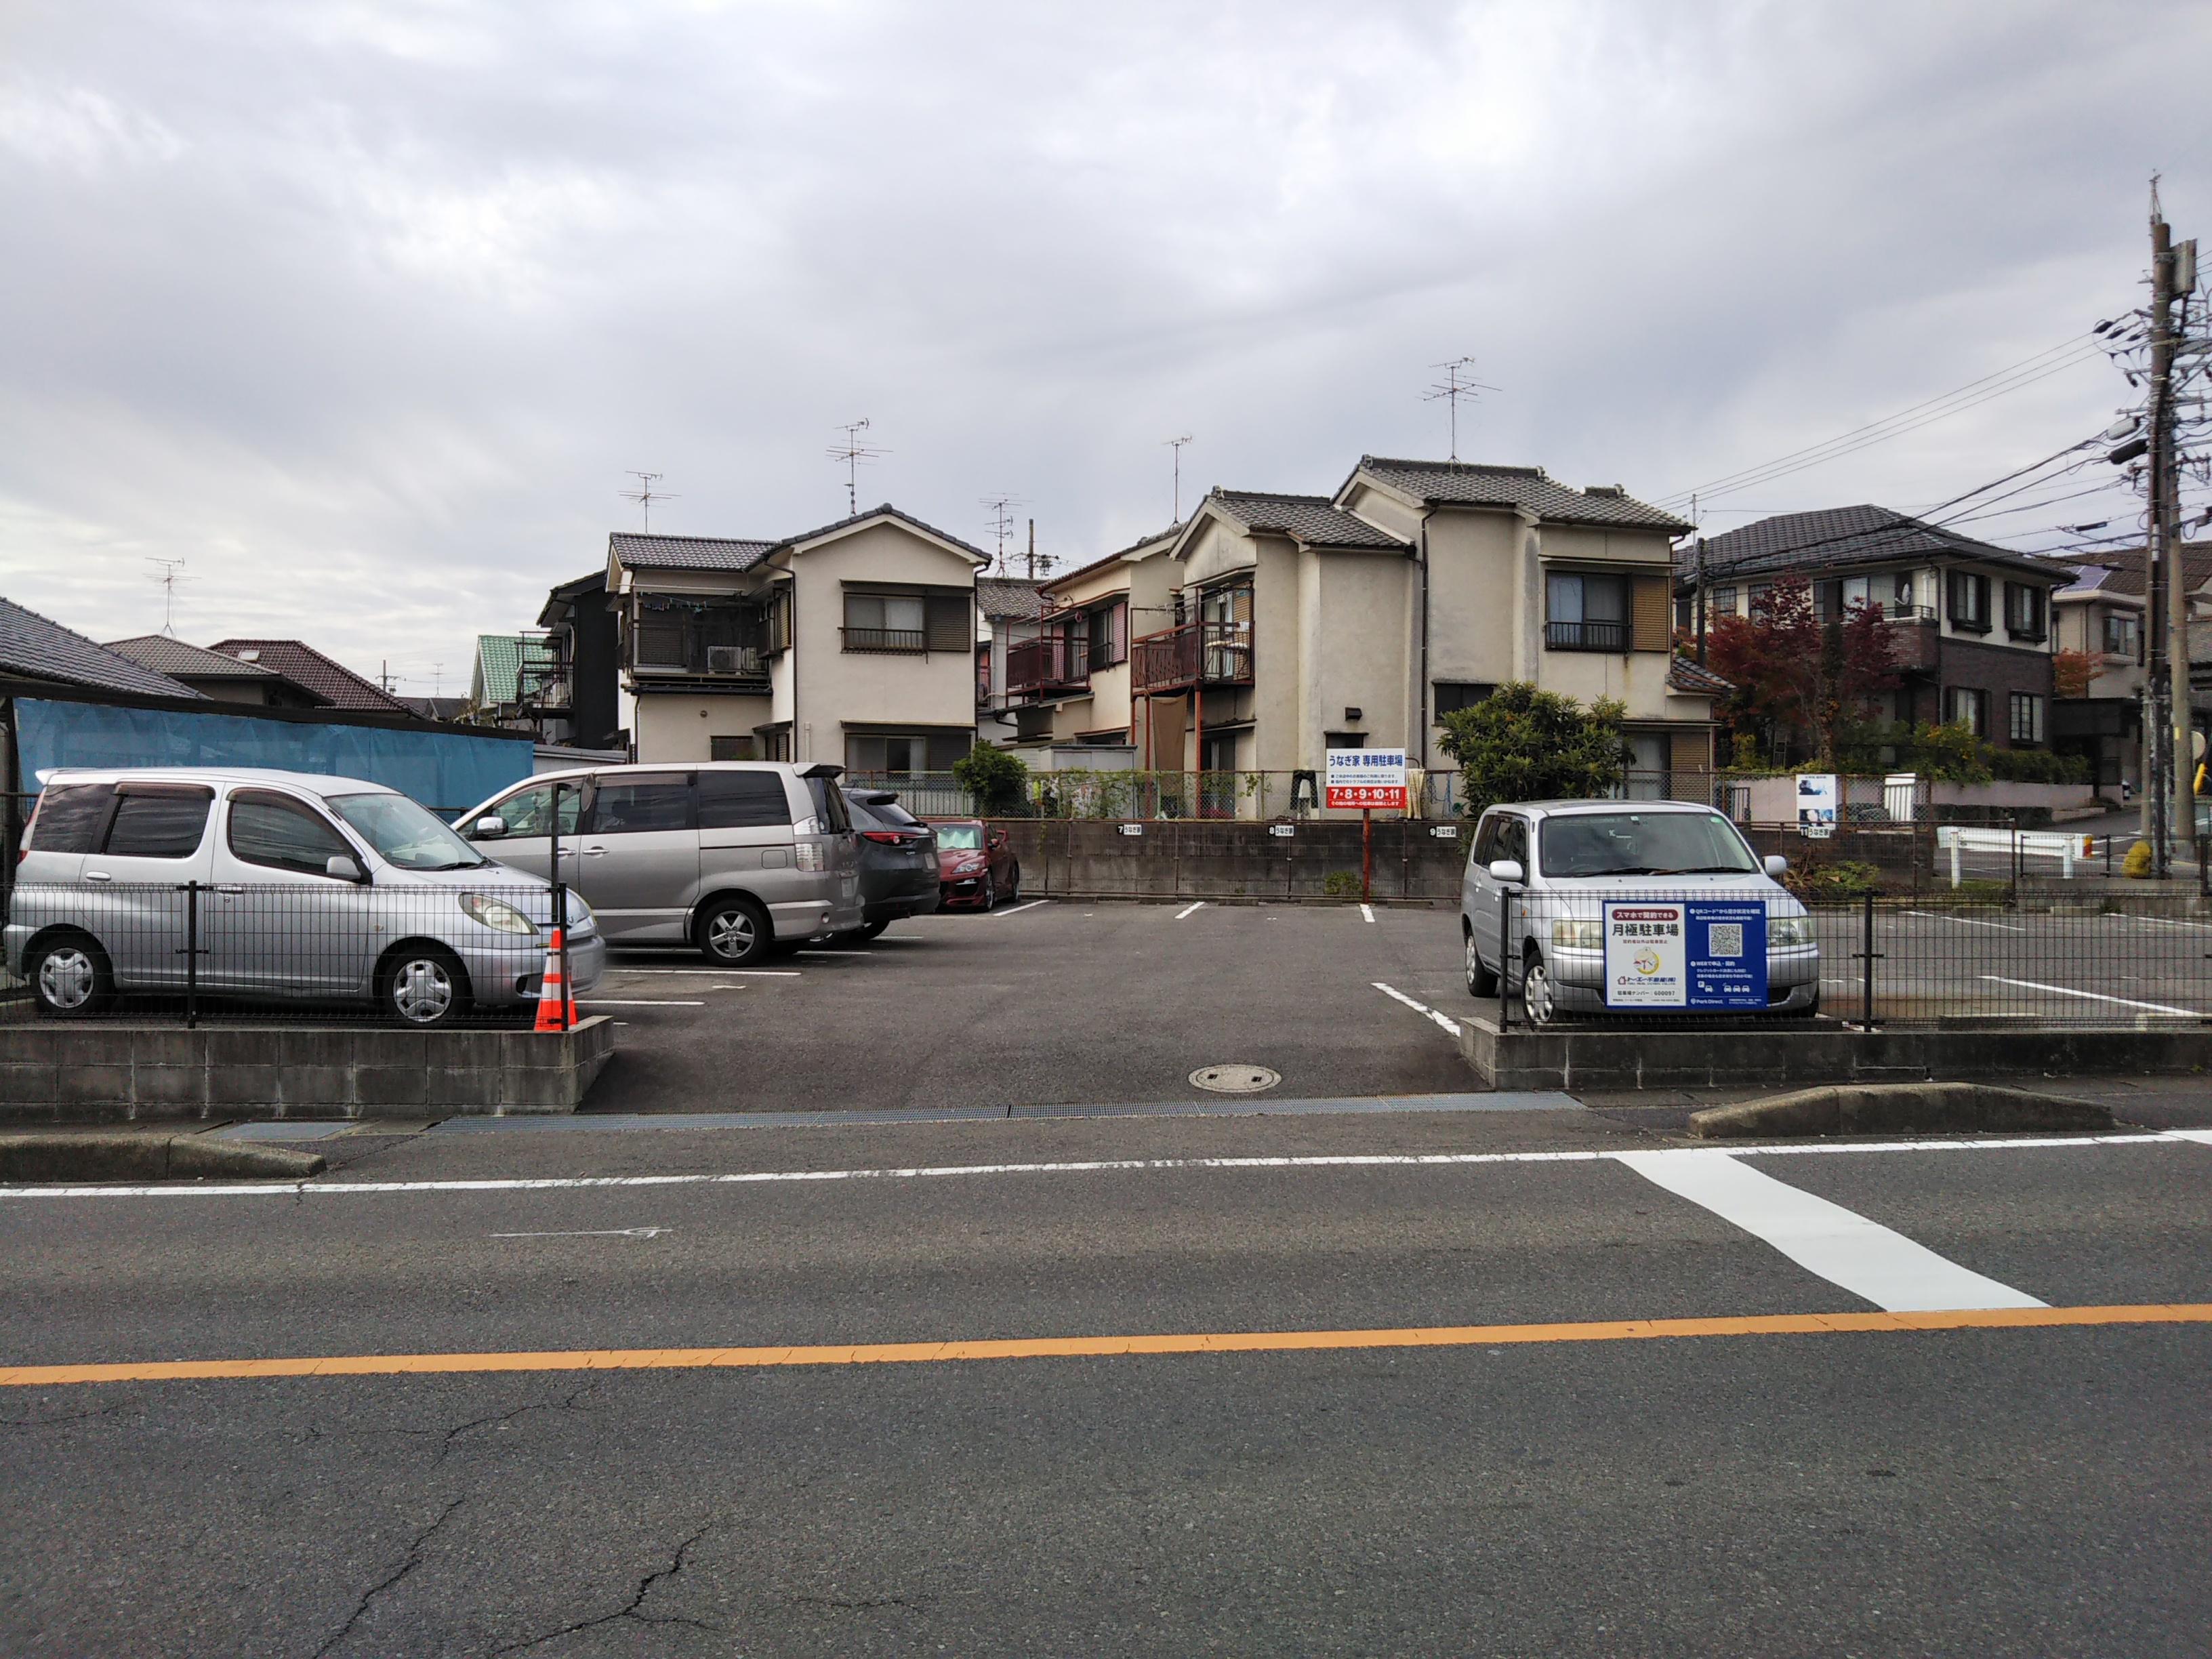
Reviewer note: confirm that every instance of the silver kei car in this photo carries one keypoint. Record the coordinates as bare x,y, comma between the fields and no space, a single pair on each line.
294,886
1551,866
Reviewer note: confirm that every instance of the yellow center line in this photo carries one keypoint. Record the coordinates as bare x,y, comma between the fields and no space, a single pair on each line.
1087,1348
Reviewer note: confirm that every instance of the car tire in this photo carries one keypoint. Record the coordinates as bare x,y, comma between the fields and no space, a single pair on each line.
70,977
734,933
1014,887
1481,981
422,987
1537,1001
990,894
869,930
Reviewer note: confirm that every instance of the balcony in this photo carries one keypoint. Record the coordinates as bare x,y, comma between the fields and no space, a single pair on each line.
1586,636
1912,636
1048,665
910,642
1195,655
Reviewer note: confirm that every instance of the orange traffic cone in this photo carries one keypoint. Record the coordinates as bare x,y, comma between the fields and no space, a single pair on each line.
556,1009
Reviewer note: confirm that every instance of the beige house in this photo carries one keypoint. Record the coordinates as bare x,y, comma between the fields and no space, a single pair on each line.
2101,613
855,643
1068,686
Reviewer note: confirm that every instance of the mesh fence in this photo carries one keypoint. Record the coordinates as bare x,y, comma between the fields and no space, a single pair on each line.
412,956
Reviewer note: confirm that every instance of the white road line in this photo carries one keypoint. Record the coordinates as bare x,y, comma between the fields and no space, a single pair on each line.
636,1002
1840,1245
2092,996
1967,922
1188,908
602,1232
2202,1136
708,973
1422,1008
1368,911
1316,1161
1018,909
2159,922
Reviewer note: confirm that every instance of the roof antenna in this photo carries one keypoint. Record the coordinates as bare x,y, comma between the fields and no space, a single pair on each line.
853,452
1459,382
171,573
1002,523
1176,444
645,495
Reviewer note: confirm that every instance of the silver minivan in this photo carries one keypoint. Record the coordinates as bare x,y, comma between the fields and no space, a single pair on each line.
733,857
291,885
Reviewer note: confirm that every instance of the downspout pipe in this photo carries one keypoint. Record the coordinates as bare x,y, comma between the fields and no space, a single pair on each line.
1421,690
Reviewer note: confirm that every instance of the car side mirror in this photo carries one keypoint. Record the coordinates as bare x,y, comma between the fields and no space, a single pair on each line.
998,840
1506,869
343,868
489,827
1775,864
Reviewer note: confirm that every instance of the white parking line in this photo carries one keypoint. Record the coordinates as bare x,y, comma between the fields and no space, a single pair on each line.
1966,921
1188,908
1840,1245
635,1002
1367,911
2092,996
2159,922
710,973
1002,915
1422,1008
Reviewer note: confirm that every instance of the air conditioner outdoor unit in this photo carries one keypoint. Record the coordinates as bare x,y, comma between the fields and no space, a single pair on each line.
726,658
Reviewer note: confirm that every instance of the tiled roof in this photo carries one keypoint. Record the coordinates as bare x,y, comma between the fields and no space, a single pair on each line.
165,655
886,510
438,708
1699,680
500,658
1156,538
1307,518
1465,483
301,664
39,649
2121,571
1846,537
1003,596
686,552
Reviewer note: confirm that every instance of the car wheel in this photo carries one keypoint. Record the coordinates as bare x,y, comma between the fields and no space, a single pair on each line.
70,977
990,893
734,933
869,930
424,987
1537,999
1014,886
1480,981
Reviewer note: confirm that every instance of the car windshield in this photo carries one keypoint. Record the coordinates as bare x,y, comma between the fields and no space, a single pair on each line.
960,837
405,835
1643,844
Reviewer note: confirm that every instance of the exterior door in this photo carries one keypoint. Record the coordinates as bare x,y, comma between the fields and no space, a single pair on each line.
1502,836
281,923
528,843
638,863
157,842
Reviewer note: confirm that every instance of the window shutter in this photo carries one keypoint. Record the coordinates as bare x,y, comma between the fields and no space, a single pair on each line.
660,642
1649,614
949,627
779,623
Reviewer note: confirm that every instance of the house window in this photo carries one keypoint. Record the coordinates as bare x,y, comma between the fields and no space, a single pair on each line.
730,749
2026,717
1344,739
2024,611
1720,602
2123,635
1969,707
1970,602
885,622
1834,600
904,754
1108,630
1452,696
1586,612
1899,600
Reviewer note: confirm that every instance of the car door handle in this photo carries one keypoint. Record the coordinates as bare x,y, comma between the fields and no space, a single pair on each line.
98,875
594,852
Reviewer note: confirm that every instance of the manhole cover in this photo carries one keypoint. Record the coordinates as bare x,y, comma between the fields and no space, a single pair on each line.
1236,1080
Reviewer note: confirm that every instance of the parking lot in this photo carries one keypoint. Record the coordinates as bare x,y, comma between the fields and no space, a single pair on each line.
1048,1003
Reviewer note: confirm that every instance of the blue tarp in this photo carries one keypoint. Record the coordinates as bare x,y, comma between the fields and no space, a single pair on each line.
448,772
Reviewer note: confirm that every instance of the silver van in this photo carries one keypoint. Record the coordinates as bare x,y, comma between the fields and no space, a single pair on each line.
291,885
733,857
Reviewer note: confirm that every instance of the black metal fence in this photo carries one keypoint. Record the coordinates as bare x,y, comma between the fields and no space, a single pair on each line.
322,951
2133,959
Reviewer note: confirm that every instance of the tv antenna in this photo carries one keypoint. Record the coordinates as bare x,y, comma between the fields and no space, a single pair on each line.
1176,444
170,572
1459,382
1002,523
645,495
853,453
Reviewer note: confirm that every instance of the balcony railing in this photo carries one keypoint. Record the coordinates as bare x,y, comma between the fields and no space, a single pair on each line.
913,640
1586,636
1196,654
1052,662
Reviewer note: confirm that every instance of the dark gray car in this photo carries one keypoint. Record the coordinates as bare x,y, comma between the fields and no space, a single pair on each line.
898,860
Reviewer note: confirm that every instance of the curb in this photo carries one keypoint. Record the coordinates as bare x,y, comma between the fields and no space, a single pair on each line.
1897,1109
64,1155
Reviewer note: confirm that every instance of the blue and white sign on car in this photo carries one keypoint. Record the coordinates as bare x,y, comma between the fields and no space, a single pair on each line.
1698,954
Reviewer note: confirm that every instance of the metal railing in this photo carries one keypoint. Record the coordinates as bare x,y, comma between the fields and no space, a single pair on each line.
1586,636
913,640
1195,653
1072,793
1051,662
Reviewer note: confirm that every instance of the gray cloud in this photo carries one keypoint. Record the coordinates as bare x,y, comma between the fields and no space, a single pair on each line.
364,309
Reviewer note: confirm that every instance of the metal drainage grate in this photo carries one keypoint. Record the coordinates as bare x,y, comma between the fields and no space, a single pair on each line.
1236,1080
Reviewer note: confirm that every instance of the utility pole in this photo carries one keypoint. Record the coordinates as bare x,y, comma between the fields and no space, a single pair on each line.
2173,275
1701,578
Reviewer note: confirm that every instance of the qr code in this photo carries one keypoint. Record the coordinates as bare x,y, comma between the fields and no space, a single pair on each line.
1727,939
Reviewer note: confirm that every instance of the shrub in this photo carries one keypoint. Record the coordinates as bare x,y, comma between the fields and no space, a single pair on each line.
998,781
1519,744
2038,766
1845,878
1341,884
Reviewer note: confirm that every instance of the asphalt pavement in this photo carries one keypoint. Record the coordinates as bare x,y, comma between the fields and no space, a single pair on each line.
1393,1383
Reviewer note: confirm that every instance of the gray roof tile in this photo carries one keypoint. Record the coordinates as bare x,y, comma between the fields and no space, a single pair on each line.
1467,483
686,552
165,655
1846,537
1004,595
1307,518
39,649
301,664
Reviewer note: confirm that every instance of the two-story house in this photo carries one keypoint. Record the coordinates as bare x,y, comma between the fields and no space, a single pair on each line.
2100,613
1070,684
854,643
576,687
1969,622
1008,609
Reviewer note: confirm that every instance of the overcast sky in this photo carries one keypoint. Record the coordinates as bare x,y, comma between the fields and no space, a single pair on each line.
363,310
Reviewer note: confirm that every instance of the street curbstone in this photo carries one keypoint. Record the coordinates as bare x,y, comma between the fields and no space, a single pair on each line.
1898,1108
66,1155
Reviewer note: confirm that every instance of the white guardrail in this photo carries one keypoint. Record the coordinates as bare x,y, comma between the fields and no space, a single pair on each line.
2015,844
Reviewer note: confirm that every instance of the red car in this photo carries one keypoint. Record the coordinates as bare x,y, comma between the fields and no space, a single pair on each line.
975,866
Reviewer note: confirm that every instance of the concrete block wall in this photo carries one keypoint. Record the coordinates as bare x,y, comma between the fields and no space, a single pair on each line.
1223,859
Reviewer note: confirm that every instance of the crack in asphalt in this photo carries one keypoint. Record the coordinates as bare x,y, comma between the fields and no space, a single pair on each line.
644,1587
63,1417
413,1560
566,1404
912,1603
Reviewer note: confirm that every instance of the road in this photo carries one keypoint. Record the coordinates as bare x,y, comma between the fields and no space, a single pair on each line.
1372,1477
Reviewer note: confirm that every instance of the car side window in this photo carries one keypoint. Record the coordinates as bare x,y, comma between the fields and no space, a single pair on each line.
1513,839
529,811
154,823
742,800
1485,839
632,807
283,835
71,818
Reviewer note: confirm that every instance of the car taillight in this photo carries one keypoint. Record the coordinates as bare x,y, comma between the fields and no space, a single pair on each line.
810,856
888,837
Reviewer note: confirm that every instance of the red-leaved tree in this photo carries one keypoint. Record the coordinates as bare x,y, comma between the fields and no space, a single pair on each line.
1792,670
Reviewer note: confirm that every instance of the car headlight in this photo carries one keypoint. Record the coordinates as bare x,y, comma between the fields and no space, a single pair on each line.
1570,935
1784,931
496,914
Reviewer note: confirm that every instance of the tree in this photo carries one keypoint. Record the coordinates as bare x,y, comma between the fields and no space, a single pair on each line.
999,781
1519,744
2072,671
1794,670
